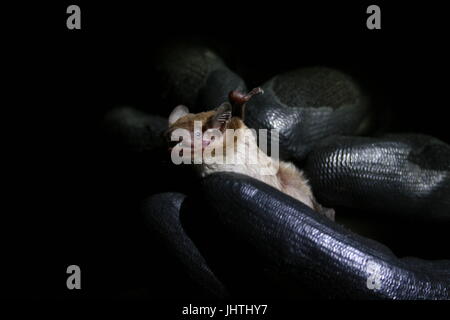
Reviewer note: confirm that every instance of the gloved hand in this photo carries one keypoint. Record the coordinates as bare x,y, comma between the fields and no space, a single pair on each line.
235,236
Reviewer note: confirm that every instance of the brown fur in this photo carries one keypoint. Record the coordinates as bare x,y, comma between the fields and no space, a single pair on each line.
288,179
187,122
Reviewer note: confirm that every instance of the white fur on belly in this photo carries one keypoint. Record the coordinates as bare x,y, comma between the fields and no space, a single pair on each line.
287,178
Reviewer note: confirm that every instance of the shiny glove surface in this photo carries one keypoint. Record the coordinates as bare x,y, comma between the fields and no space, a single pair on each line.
234,236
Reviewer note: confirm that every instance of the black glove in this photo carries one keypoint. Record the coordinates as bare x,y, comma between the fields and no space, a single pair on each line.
284,239
403,175
235,236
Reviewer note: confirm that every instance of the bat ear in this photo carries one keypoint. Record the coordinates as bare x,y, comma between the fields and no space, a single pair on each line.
222,115
177,113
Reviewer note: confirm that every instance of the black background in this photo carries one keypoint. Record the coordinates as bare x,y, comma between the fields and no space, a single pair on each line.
69,204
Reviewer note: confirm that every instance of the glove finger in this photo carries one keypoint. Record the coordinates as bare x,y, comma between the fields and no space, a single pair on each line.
287,238
195,76
307,105
408,175
217,87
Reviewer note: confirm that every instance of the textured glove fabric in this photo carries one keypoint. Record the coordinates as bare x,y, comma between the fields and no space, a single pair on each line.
135,130
238,237
195,76
295,242
218,85
402,174
307,105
